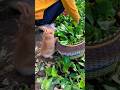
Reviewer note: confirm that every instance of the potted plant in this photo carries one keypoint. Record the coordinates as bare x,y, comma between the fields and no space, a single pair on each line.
102,38
71,40
70,35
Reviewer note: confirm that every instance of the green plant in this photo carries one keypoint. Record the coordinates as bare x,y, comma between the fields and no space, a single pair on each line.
68,32
66,74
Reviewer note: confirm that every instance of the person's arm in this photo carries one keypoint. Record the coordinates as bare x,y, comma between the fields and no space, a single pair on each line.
71,8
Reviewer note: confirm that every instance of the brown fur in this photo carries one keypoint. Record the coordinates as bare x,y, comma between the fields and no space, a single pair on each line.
48,43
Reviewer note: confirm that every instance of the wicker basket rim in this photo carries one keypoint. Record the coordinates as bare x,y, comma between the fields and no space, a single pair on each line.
105,42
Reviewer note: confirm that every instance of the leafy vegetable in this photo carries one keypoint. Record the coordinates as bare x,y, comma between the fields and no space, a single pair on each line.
67,74
68,31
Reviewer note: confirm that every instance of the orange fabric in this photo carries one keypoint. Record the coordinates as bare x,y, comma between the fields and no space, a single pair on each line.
40,6
69,5
39,15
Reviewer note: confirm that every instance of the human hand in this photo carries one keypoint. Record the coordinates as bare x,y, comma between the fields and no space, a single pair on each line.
65,13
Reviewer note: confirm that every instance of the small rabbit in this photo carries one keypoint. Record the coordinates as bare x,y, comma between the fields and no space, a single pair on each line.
48,43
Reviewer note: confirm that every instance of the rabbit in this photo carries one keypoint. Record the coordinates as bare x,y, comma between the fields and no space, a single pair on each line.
48,43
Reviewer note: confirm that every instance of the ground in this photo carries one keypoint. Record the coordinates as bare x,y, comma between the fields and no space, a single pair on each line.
11,80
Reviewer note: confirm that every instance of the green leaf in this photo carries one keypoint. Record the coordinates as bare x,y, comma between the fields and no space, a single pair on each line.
73,75
47,84
74,66
82,84
64,82
66,64
64,42
76,88
48,71
68,87
54,72
82,64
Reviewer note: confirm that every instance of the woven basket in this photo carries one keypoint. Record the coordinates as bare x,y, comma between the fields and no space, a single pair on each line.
73,51
100,56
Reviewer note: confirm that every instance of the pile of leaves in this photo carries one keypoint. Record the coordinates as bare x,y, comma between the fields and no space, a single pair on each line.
65,74
68,32
100,19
